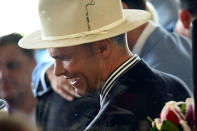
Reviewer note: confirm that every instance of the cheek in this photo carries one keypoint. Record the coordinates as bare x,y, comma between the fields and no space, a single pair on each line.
92,73
22,76
74,66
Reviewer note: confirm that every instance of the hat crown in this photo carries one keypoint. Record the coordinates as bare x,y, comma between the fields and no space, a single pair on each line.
70,17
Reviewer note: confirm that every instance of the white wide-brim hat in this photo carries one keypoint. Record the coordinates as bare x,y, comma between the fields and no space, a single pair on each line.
73,22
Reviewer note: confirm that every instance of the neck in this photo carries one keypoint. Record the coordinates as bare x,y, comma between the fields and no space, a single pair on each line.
133,35
121,55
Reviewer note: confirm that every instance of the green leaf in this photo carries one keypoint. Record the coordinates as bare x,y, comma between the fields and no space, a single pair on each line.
183,108
169,126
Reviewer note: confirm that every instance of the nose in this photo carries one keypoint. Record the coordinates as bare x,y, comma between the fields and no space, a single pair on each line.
59,68
3,74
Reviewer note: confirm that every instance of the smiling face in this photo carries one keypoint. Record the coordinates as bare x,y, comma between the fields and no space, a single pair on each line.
80,65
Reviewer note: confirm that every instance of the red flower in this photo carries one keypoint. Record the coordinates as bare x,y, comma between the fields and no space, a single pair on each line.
172,112
172,117
182,114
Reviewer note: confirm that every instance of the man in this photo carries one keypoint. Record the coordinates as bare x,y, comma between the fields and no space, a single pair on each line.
187,11
91,52
167,52
16,66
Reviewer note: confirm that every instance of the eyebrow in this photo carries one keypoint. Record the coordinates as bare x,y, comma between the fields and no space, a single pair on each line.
56,57
61,57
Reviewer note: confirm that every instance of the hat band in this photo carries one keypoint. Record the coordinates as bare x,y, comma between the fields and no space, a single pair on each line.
93,32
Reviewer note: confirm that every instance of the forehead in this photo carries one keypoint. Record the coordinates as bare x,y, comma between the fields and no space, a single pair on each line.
68,50
11,52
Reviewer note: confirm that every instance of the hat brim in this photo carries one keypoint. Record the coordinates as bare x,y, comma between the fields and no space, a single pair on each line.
133,19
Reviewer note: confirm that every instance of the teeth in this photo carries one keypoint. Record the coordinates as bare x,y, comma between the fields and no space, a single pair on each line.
73,80
77,95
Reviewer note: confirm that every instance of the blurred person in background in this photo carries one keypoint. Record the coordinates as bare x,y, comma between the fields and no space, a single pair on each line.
167,52
187,11
16,66
167,11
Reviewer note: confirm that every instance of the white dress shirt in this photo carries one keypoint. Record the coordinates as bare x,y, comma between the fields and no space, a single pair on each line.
143,37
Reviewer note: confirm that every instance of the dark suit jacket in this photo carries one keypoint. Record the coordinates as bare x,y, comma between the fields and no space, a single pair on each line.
53,113
137,93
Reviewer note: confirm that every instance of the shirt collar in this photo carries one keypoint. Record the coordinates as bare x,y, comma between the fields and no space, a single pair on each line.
114,76
143,37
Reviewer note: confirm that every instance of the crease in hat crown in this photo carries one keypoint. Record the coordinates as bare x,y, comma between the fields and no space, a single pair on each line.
73,22
62,19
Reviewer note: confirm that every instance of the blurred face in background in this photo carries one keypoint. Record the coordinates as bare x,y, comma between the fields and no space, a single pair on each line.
15,73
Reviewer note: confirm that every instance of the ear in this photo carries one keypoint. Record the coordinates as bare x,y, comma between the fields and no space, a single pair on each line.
124,6
186,18
103,48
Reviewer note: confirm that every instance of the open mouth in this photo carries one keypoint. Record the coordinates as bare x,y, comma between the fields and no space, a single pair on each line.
73,81
75,84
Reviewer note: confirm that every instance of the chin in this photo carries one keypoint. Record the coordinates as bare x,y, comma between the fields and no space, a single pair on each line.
81,94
